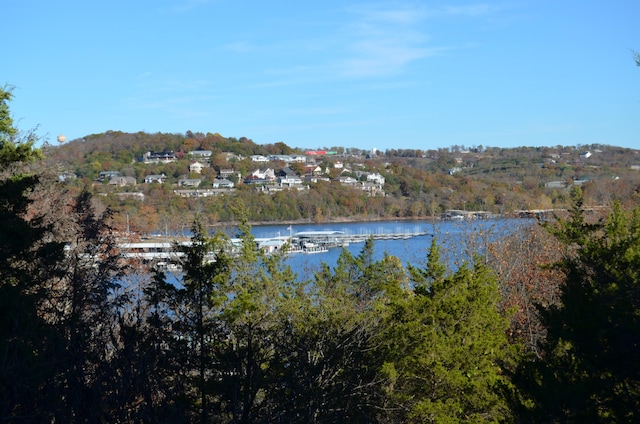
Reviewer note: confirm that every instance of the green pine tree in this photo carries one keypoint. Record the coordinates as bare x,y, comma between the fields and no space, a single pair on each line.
445,347
26,254
590,370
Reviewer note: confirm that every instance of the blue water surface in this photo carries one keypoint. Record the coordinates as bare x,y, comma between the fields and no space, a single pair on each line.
459,240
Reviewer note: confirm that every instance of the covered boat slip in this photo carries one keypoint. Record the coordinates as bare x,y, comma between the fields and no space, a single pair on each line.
300,242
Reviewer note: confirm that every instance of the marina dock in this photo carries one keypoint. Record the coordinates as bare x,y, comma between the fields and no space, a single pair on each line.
163,249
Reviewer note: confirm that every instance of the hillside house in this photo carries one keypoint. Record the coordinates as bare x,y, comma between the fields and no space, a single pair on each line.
313,170
195,193
376,178
159,157
286,172
270,188
189,182
122,181
223,183
108,175
196,167
201,154
371,188
349,181
160,179
315,178
289,180
259,158
274,188
228,173
263,174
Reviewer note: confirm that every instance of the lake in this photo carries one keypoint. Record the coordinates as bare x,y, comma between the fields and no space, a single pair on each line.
458,239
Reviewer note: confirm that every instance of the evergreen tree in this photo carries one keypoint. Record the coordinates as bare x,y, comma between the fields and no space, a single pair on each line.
197,328
58,289
27,253
329,341
158,364
445,346
590,370
257,291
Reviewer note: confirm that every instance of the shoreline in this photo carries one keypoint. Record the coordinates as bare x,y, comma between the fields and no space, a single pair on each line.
340,220
328,221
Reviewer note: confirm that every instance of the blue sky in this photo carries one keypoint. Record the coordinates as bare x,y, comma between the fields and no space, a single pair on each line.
421,75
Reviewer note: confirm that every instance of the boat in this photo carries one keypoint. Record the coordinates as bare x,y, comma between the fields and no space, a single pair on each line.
313,248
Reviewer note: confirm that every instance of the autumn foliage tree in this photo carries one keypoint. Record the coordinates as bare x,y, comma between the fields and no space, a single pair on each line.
523,262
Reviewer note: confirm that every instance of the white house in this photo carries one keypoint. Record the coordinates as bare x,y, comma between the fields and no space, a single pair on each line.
155,179
196,167
316,178
347,181
290,180
264,174
259,158
313,170
376,178
222,183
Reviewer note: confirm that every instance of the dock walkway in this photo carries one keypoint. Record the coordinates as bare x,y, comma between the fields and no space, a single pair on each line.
163,249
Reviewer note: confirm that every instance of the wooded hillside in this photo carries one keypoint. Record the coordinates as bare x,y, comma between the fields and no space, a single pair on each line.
417,183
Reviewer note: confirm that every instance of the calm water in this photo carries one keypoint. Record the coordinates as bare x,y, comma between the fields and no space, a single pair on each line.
458,239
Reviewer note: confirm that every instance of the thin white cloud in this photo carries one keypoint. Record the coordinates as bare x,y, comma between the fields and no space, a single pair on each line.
384,41
379,59
365,41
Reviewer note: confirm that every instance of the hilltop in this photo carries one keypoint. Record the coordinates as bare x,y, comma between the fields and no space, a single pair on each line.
160,182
